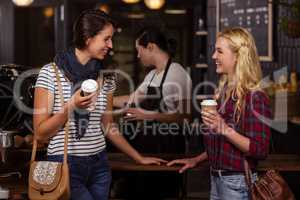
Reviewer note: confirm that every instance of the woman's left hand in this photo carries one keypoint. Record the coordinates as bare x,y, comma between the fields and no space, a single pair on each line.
214,121
151,160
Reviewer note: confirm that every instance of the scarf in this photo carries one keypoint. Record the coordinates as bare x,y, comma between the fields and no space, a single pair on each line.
77,73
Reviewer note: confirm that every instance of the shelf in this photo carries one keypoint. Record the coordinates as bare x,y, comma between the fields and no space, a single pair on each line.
201,65
201,33
204,96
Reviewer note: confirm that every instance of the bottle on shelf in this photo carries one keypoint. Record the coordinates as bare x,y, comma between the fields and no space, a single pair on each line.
293,80
200,24
270,86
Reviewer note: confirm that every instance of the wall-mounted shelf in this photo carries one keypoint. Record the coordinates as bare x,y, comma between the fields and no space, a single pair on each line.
201,33
201,65
200,38
201,97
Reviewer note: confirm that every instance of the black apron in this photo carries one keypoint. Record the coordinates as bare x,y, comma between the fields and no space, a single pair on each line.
148,139
153,136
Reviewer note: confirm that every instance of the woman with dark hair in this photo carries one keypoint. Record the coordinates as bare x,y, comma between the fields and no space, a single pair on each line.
154,125
89,171
162,98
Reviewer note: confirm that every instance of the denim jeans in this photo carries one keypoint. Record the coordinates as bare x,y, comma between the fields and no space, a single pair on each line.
90,176
231,187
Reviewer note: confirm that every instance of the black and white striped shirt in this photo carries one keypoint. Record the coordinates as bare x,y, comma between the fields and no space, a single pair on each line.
93,141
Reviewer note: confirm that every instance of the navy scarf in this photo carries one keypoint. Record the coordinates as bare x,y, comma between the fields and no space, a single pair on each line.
77,73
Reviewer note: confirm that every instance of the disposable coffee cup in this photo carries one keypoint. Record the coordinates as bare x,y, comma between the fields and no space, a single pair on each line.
88,87
209,104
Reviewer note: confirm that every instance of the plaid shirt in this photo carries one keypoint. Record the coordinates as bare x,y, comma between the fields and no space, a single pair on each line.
224,155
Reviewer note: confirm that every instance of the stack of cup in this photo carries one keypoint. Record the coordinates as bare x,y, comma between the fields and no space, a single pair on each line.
88,87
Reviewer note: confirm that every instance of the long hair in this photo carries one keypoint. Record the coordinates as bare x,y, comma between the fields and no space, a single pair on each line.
247,71
88,24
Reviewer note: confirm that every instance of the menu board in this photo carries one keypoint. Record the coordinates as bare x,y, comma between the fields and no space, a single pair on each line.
254,15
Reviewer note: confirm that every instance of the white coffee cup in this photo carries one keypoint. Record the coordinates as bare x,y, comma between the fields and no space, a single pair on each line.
209,104
88,87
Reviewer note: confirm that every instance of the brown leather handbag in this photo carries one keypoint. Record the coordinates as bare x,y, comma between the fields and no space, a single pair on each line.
269,186
50,180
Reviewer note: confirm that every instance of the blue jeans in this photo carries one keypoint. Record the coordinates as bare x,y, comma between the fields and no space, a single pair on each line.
231,187
90,176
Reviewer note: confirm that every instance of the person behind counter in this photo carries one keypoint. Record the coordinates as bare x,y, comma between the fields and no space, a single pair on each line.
235,131
154,125
163,96
89,171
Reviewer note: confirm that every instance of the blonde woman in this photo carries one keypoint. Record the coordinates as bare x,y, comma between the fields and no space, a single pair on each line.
236,131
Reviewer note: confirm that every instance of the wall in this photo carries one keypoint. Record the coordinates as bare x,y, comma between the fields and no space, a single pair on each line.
286,50
25,32
6,33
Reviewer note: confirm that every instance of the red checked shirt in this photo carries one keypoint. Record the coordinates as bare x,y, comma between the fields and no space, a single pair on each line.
224,155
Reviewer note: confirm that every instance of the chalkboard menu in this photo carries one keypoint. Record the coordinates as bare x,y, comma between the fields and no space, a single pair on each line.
255,15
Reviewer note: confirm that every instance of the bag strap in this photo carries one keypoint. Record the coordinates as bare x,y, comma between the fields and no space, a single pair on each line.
66,128
248,174
248,171
62,104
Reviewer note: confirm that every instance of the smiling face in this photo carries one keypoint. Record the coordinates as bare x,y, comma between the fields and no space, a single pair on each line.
99,45
224,57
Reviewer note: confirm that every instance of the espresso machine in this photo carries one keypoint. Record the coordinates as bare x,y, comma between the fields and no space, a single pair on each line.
6,142
12,119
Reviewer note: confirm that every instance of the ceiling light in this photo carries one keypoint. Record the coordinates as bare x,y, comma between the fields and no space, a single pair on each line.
48,12
104,8
22,2
131,1
154,4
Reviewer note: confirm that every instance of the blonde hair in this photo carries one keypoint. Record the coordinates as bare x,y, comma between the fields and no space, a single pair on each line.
247,70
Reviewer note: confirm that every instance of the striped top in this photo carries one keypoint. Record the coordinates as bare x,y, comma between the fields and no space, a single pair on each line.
93,141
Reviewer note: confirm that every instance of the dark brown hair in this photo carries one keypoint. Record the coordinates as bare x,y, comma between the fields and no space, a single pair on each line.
155,35
88,24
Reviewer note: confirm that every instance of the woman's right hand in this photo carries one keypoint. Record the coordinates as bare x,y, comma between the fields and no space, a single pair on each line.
82,102
186,162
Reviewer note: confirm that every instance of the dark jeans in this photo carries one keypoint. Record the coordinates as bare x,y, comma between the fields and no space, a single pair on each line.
90,176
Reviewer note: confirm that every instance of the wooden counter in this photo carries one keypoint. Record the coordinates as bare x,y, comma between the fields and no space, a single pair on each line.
121,162
280,162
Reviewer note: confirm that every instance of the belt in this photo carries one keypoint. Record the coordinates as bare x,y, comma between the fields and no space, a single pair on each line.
219,173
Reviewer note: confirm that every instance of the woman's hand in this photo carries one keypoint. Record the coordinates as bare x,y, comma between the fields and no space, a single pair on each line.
82,102
214,121
151,160
186,162
137,114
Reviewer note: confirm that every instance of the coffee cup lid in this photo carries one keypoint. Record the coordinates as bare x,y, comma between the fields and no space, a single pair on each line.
89,86
209,102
